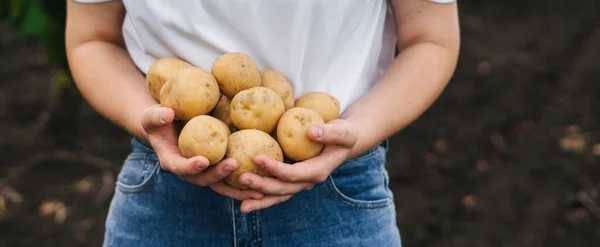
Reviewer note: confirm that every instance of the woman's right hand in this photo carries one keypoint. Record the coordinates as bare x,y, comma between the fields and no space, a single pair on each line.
162,133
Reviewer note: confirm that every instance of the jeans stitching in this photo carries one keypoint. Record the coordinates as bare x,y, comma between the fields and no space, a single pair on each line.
353,203
233,221
258,229
145,185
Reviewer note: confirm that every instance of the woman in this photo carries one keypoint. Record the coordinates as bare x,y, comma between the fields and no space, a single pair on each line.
342,47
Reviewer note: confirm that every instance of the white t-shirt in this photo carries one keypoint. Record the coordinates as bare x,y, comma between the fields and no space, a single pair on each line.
336,46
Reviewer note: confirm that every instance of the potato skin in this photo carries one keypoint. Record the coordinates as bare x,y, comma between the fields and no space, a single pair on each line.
190,92
160,72
244,146
235,71
222,112
256,108
292,133
323,103
206,136
280,84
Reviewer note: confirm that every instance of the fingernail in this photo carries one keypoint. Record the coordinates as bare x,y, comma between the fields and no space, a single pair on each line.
160,118
250,210
199,165
247,182
316,131
229,168
260,163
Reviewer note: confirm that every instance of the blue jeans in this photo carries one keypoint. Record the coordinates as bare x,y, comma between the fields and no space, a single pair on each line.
153,207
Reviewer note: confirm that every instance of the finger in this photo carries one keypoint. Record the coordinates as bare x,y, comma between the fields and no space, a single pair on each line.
158,123
250,205
215,173
182,167
336,134
272,186
227,190
156,116
314,170
299,172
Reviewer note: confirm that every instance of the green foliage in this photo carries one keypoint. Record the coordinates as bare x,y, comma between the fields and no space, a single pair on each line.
44,19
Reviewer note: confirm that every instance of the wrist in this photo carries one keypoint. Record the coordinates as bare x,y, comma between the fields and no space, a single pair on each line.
139,132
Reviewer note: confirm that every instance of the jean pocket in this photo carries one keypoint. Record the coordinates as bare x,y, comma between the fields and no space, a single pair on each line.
138,173
362,182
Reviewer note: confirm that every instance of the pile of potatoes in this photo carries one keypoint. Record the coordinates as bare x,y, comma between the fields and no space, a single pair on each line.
238,110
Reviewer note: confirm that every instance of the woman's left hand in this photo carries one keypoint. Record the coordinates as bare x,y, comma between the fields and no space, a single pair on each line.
339,137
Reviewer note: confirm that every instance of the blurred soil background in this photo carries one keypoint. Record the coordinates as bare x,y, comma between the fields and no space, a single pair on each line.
508,156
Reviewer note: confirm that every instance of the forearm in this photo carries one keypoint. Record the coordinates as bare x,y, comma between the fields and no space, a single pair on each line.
410,85
110,82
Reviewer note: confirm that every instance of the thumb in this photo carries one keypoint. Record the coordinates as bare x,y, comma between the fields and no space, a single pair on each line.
336,134
156,116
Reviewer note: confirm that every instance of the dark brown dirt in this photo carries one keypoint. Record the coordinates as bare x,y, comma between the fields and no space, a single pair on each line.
506,157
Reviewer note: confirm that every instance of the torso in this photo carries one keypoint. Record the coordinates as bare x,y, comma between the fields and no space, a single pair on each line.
336,46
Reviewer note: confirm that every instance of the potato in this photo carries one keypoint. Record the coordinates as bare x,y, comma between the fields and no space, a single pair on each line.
292,133
206,136
325,104
256,108
161,71
190,92
222,112
280,84
244,146
235,71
